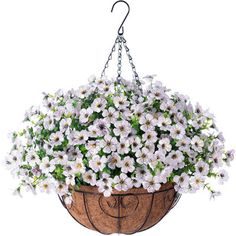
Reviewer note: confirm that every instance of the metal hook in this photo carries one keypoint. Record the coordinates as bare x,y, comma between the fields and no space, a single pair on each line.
121,28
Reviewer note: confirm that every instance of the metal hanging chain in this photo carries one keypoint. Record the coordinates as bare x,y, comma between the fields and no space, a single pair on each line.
121,42
119,64
109,58
136,76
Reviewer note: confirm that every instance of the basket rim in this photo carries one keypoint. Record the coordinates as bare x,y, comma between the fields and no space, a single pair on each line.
133,191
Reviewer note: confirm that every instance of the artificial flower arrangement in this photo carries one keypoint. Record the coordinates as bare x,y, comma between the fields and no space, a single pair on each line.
118,136
118,153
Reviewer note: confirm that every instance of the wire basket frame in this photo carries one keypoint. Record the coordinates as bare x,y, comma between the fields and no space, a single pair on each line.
123,212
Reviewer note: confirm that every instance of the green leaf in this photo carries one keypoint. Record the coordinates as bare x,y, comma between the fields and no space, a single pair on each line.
45,134
95,116
187,114
135,125
156,104
86,102
106,170
85,161
41,153
83,149
173,142
58,173
75,103
110,102
75,124
26,167
62,103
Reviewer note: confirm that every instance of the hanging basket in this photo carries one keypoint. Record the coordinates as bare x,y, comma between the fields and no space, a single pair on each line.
123,212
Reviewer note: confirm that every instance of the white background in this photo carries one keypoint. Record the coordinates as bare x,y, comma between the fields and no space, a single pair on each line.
51,44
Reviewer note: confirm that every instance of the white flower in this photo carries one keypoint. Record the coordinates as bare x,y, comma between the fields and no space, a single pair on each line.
143,156
114,161
61,188
127,165
102,126
85,114
229,156
180,119
157,157
151,184
47,166
105,185
135,143
177,131
197,144
32,158
123,146
105,179
60,157
70,180
97,163
122,128
46,186
107,89
98,104
197,181
83,91
157,93
13,160
142,172
174,158
65,124
93,147
223,176
120,102
164,145
48,123
182,180
148,122
198,109
110,115
74,153
109,144
93,131
99,82
56,138
136,182
149,136
106,189
68,169
198,122
78,137
164,123
184,144
68,200
217,160
122,182
36,171
78,166
137,110
89,177
168,105
48,148
150,147
202,168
